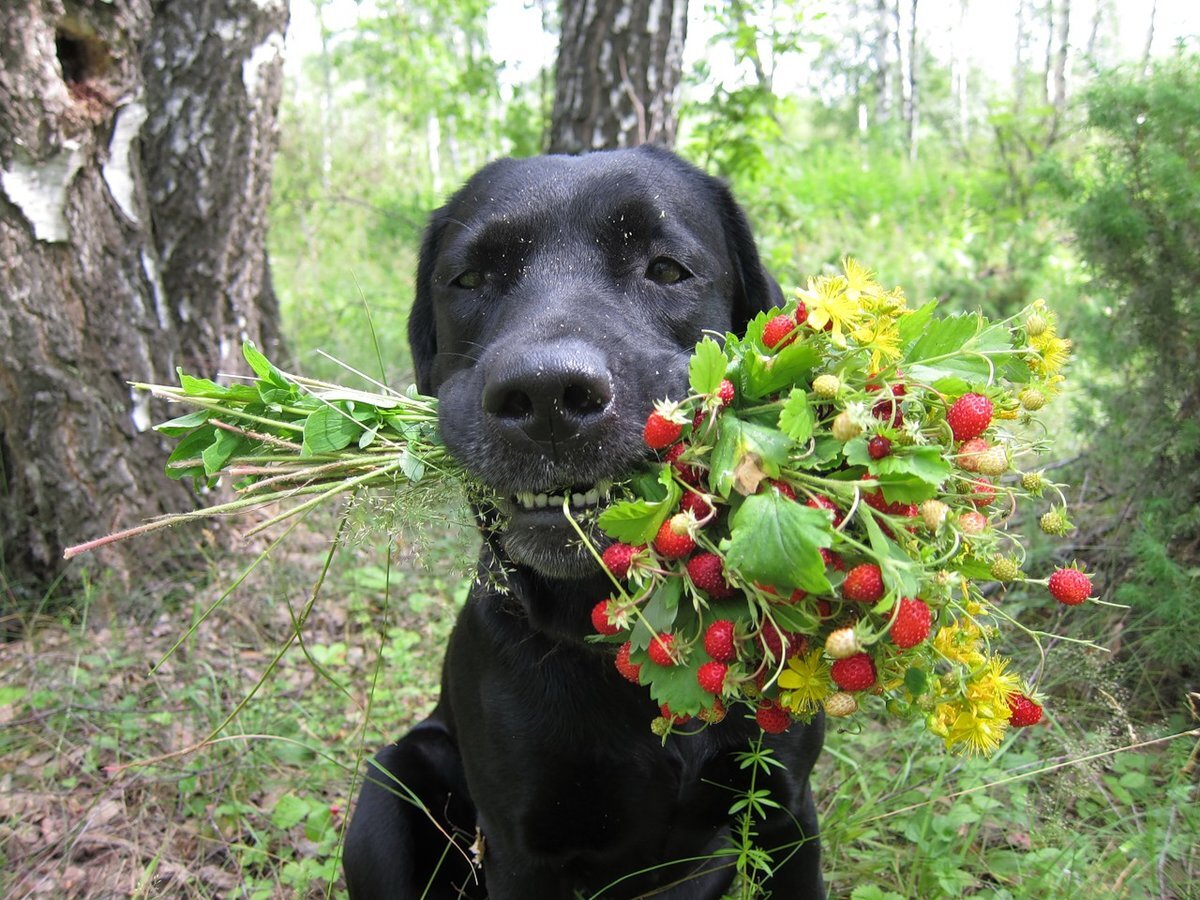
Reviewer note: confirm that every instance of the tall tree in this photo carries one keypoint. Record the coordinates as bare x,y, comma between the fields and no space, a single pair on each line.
136,140
617,75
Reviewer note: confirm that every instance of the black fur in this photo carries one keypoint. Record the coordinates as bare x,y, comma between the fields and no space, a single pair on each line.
557,298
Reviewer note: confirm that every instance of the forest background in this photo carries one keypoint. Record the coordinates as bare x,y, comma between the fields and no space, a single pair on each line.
1056,156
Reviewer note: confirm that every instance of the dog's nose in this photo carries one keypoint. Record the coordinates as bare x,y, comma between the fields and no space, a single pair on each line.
549,393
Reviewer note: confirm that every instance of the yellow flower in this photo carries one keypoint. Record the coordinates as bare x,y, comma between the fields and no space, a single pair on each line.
991,687
959,643
829,304
806,683
1053,355
977,731
882,338
860,281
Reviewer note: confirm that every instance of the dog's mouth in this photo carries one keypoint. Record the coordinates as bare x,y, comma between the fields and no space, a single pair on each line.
579,498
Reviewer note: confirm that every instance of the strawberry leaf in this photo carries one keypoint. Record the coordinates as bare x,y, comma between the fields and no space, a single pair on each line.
796,418
707,367
633,521
736,439
926,463
658,615
768,374
776,541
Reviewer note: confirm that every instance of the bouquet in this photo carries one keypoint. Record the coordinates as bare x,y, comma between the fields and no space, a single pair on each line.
823,529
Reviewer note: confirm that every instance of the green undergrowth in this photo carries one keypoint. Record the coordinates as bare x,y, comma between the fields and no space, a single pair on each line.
105,789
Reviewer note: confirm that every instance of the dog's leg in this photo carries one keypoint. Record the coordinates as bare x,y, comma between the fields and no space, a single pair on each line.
414,824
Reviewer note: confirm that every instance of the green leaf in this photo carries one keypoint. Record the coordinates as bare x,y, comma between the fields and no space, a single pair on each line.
796,417
767,374
913,325
776,541
223,446
181,425
905,488
916,681
893,562
202,387
289,811
926,463
328,430
658,615
735,439
191,449
637,521
263,367
678,688
707,367
826,449
951,348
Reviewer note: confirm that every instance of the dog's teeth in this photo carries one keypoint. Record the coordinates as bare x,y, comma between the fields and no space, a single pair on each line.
577,500
591,498
540,501
603,487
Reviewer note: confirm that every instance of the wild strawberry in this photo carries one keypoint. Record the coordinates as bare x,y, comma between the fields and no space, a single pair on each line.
889,408
1033,482
820,501
840,704
630,671
712,714
711,676
618,558
969,416
674,719
783,488
912,623
1070,586
972,523
725,392
718,641
854,673
801,313
707,572
778,332
878,447
993,461
1005,569
600,620
832,560
772,718
775,642
1023,711
970,453
1032,399
826,386
844,427
688,474
662,649
674,539
863,584
842,643
1055,522
933,514
696,505
663,426
980,492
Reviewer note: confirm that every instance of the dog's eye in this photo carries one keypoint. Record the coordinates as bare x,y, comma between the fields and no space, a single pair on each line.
469,280
664,270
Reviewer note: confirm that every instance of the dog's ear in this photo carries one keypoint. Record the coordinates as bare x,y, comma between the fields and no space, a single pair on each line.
754,290
422,329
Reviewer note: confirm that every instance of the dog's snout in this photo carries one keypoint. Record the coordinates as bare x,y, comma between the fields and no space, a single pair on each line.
549,394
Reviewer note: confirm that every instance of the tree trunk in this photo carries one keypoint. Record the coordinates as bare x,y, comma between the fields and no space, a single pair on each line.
617,75
1149,38
1019,57
136,140
908,75
883,68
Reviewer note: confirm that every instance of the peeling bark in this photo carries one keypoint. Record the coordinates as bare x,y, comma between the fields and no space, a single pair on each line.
135,147
617,75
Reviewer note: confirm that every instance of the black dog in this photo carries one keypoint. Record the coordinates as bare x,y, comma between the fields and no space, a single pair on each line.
557,298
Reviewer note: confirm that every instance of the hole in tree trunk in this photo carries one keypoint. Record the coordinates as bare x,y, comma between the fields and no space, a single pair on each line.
82,55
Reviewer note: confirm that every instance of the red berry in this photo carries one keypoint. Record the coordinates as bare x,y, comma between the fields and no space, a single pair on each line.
912,623
661,649
783,488
675,719
832,560
674,540
711,676
687,474
618,558
707,572
854,673
778,331
878,447
725,392
969,416
801,313
863,584
600,619
820,501
1024,711
696,505
660,432
718,641
1070,586
772,718
630,671
982,492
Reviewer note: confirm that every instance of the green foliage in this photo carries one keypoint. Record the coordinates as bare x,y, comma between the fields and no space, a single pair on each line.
1138,224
